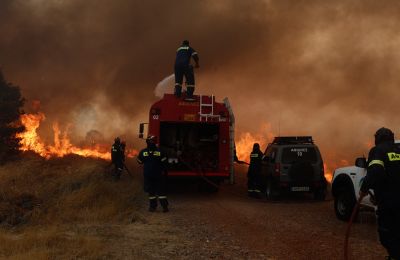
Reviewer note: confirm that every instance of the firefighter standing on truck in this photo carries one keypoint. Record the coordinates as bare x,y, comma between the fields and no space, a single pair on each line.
383,177
184,68
154,171
117,158
254,172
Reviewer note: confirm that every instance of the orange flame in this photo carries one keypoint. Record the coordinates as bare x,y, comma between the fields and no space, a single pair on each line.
30,141
244,145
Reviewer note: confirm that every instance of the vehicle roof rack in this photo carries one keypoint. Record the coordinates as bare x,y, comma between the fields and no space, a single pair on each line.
293,140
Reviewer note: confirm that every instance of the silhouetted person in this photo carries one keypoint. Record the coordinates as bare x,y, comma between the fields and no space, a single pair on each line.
117,158
254,172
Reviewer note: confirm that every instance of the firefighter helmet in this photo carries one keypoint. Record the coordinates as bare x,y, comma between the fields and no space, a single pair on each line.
151,139
383,134
117,140
256,146
185,42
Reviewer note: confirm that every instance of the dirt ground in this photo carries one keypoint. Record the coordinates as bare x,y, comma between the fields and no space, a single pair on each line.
200,225
229,225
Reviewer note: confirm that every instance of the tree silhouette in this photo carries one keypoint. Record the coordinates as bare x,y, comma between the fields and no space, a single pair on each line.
11,103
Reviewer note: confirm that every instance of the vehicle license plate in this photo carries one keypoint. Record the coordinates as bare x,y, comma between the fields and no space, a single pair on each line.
300,188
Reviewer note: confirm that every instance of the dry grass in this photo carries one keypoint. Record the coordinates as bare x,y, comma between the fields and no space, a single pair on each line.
50,243
57,208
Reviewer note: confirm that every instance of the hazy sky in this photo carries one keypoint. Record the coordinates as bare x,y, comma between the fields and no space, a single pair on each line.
329,69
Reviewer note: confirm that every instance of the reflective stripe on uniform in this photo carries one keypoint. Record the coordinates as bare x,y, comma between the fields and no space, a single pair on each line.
194,53
163,159
183,48
152,197
145,154
157,153
177,84
139,161
379,162
254,155
162,197
190,86
258,191
250,190
394,156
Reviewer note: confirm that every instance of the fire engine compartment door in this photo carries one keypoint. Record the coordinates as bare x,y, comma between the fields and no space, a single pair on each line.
190,146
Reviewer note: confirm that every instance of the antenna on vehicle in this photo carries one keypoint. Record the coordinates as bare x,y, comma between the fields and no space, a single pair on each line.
279,124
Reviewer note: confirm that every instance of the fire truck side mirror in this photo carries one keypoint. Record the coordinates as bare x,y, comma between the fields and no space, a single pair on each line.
141,130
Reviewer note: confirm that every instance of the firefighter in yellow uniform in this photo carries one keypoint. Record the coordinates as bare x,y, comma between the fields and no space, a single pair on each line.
154,171
383,177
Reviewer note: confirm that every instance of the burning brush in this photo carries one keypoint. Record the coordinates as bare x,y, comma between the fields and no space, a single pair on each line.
30,141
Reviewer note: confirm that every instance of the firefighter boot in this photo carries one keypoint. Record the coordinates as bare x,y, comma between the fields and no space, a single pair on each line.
117,173
178,90
189,93
153,203
164,203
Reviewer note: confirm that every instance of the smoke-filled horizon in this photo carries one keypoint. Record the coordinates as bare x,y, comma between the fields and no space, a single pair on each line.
323,68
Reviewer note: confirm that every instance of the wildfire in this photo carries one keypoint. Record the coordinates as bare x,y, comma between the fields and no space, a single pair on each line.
31,141
244,145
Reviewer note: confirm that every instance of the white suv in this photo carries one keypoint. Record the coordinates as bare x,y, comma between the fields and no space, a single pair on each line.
346,183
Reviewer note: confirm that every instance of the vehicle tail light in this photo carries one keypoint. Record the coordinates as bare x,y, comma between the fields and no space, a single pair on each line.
277,170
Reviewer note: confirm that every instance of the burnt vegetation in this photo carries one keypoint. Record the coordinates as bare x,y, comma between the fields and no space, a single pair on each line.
11,103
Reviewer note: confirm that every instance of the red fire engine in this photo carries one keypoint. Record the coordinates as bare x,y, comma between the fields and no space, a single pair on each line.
197,136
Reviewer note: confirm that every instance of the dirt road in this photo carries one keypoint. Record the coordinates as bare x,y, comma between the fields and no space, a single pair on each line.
228,225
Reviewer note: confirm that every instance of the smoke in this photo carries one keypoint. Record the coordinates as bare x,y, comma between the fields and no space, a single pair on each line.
165,86
323,68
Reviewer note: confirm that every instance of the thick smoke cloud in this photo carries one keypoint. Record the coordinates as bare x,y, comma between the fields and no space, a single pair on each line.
322,68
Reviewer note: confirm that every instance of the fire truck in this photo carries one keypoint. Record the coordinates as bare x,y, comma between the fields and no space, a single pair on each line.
197,136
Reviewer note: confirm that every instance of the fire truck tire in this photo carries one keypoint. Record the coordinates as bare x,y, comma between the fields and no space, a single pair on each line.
271,192
344,203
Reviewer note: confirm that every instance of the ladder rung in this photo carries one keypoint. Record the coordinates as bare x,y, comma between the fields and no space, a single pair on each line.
209,115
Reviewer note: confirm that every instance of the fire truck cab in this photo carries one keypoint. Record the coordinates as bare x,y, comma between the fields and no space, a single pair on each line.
197,136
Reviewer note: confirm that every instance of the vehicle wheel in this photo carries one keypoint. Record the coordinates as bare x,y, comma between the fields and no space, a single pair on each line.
320,194
271,191
344,204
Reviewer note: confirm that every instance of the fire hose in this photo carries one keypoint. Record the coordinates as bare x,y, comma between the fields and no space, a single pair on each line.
350,223
123,167
201,173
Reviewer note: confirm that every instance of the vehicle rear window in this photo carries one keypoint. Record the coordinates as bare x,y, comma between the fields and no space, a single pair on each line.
299,154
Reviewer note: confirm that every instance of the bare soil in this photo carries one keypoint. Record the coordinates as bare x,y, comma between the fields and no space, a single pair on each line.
224,225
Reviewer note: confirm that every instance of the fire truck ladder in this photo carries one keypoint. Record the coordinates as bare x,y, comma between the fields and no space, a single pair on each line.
203,106
231,139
